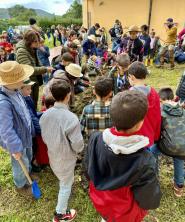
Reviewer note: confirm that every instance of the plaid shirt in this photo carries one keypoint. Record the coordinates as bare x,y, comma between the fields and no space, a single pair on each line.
96,116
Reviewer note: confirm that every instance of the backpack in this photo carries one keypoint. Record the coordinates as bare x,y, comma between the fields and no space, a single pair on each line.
180,92
112,32
172,140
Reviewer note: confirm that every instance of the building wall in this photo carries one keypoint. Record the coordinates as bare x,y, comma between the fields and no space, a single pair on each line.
134,12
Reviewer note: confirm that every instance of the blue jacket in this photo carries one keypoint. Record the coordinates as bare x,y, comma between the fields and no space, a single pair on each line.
44,56
15,134
89,48
33,113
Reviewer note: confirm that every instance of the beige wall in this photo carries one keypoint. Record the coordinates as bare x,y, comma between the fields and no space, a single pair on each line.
163,9
131,12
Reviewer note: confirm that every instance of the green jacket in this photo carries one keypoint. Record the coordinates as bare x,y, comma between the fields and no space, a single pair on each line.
29,57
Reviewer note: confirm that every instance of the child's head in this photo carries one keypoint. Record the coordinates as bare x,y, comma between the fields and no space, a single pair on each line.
103,88
49,102
128,110
123,61
152,33
166,94
66,59
26,89
2,51
144,29
137,71
60,90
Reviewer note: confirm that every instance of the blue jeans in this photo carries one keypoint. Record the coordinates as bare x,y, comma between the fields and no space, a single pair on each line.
63,196
178,166
115,46
18,175
45,78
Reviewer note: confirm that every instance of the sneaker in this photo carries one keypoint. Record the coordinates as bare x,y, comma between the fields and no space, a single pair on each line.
178,191
25,191
68,216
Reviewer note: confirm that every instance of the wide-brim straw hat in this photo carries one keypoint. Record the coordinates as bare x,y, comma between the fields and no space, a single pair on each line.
77,42
134,28
12,72
92,37
74,70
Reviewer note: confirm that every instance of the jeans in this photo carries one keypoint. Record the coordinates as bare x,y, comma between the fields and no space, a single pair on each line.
115,46
63,197
178,166
45,78
18,175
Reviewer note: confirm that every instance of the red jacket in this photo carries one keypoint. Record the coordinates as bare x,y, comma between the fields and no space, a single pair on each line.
152,122
121,202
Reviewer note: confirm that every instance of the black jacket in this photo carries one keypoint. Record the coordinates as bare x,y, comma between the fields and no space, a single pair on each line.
110,171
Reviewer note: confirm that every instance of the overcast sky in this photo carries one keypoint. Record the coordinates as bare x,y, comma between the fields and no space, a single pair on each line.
58,7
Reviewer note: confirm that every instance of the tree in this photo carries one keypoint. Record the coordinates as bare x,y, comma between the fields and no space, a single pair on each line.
21,13
75,10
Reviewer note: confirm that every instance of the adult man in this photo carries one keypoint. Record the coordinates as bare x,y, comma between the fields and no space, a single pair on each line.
169,45
93,29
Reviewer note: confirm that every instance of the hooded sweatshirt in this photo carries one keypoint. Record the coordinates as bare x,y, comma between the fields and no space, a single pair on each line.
122,174
152,122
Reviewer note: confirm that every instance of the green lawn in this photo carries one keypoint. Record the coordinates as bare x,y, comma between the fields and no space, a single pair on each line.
14,208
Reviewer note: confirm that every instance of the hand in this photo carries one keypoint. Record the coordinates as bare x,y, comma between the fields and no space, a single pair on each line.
50,69
17,156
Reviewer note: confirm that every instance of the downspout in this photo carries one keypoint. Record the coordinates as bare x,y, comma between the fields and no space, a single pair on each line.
150,14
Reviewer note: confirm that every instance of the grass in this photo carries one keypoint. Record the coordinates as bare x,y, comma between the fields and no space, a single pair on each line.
14,208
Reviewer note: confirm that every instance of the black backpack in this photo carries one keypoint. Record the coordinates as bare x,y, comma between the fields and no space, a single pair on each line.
112,32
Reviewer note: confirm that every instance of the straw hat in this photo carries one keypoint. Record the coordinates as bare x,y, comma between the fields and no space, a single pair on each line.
134,28
77,42
92,37
74,70
12,72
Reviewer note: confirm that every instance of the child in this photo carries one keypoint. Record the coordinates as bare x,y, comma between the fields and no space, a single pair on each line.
133,45
64,61
123,181
151,128
145,38
44,54
38,147
49,102
172,114
16,126
61,132
119,73
96,116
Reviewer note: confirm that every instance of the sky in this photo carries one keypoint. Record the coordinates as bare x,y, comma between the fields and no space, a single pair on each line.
58,7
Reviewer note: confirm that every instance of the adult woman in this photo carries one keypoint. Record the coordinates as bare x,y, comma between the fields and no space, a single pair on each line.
26,53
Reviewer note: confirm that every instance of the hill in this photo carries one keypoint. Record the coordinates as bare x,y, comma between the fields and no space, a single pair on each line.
4,13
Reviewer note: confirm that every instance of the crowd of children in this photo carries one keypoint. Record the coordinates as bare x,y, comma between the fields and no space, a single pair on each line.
121,127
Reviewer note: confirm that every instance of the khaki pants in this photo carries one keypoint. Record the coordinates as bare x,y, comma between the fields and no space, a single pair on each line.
170,49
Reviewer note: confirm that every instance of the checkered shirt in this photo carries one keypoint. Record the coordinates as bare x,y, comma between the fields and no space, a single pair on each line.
96,117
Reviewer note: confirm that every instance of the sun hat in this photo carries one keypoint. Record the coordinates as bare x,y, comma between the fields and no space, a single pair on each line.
28,82
77,42
74,70
92,37
12,72
134,28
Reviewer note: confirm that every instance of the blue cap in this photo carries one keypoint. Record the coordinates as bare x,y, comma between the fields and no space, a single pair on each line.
169,20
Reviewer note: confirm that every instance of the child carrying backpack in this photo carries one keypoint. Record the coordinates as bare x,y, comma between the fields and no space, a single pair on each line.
172,139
